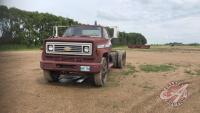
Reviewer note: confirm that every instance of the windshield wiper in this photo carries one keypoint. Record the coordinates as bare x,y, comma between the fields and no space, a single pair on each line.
84,35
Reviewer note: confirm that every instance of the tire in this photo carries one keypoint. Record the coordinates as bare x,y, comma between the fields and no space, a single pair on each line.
50,76
113,56
101,77
121,60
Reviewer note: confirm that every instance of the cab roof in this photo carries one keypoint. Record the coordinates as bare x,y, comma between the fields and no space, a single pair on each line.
86,25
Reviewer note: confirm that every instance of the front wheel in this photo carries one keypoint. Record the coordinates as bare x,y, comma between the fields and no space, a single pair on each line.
100,78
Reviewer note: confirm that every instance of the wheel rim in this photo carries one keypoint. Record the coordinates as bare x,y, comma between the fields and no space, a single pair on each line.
104,71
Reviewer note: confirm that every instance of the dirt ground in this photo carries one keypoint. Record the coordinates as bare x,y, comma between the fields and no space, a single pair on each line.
23,89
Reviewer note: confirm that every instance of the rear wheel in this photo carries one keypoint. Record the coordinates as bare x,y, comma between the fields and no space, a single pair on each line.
100,78
50,76
121,60
113,56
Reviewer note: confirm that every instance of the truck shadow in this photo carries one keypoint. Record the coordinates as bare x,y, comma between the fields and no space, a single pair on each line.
87,83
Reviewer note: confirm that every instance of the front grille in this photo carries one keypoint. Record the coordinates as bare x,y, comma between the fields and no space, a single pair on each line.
72,48
69,48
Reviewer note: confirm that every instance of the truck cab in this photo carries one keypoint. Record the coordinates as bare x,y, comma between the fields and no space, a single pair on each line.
83,50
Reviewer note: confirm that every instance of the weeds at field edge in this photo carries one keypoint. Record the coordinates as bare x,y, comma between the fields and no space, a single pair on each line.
157,68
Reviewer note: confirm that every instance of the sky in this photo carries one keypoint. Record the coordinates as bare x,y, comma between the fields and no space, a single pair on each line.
160,21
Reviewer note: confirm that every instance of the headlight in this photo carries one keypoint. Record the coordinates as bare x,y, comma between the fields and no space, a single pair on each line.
50,47
86,49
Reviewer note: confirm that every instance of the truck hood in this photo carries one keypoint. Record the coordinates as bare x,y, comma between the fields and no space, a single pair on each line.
97,40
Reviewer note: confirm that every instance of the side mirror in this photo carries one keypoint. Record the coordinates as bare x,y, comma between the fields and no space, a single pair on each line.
115,32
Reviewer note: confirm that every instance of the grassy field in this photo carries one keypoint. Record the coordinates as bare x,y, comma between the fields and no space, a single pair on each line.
156,68
162,48
16,47
134,89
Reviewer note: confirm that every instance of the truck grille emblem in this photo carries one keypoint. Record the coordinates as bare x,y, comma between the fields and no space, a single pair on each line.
67,49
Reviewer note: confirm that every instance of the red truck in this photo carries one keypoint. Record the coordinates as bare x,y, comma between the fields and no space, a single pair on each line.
83,50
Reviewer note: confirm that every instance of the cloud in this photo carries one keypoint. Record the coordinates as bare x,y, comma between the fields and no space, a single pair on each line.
148,10
114,16
161,21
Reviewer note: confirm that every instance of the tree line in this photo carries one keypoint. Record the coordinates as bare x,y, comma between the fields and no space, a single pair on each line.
181,44
31,28
128,38
28,28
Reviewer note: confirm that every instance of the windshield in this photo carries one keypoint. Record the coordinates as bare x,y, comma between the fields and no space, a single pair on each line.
83,31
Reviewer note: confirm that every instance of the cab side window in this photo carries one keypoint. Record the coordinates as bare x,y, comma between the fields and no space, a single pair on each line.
105,33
